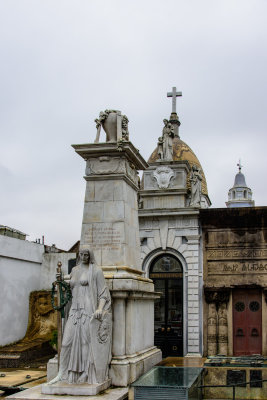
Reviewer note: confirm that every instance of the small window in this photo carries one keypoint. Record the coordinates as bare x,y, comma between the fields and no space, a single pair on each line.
166,263
233,194
245,194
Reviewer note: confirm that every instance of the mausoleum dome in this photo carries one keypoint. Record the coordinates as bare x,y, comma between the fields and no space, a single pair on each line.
182,152
240,195
240,180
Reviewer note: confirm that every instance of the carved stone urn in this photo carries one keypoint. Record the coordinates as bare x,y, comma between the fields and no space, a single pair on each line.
110,127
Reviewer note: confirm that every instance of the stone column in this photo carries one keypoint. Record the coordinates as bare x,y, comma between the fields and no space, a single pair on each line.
222,330
110,219
119,335
212,330
193,298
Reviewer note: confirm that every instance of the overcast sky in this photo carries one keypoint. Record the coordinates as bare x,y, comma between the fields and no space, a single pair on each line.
61,62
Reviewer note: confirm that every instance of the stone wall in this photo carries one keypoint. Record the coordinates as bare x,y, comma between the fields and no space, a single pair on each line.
49,265
20,269
24,268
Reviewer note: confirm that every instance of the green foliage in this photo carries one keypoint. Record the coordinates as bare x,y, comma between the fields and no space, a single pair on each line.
53,341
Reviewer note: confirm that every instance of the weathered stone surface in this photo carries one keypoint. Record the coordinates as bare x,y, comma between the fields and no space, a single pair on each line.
82,389
35,393
235,246
129,369
218,376
235,256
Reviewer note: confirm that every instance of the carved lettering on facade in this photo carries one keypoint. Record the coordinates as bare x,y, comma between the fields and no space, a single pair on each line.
106,238
236,253
227,268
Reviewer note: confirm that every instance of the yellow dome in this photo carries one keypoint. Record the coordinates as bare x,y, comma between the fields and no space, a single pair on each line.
182,152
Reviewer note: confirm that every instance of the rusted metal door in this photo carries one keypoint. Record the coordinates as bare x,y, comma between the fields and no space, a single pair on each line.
247,322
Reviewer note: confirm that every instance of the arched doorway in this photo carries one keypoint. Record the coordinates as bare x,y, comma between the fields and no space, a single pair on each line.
167,274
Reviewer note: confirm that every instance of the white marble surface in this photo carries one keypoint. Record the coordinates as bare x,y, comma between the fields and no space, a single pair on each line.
110,218
52,368
125,370
35,394
83,389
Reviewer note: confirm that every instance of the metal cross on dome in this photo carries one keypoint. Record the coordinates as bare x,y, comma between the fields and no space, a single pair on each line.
174,94
239,165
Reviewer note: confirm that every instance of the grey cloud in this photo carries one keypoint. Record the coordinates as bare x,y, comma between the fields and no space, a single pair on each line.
62,62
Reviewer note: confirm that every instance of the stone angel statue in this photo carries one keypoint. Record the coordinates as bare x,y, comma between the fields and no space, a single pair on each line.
86,345
165,149
195,179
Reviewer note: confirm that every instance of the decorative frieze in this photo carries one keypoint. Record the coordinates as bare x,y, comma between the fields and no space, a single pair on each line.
236,253
106,165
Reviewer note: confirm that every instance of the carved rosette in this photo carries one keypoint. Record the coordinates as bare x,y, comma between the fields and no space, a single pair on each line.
163,176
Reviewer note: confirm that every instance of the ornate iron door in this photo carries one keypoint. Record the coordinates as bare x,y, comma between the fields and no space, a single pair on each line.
247,322
167,274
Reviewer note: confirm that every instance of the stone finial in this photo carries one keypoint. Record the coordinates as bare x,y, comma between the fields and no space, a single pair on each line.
114,124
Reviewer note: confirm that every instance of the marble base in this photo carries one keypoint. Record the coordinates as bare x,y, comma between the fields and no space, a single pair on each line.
82,389
126,370
52,368
36,394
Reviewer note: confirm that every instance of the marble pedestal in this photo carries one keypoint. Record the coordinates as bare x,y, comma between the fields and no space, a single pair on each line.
82,389
133,347
110,228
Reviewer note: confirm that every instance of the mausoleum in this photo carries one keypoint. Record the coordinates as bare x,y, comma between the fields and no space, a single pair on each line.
173,190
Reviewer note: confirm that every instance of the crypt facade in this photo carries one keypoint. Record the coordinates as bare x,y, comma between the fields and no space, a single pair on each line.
235,281
173,190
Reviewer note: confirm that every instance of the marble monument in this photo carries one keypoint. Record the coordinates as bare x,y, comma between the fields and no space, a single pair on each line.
86,346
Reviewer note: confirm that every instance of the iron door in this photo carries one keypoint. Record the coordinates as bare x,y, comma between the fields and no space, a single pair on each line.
169,317
247,322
